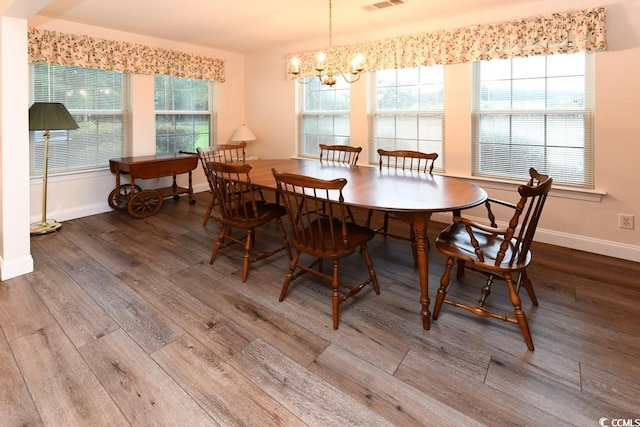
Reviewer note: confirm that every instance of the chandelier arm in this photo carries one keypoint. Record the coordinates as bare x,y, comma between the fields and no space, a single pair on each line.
349,77
305,80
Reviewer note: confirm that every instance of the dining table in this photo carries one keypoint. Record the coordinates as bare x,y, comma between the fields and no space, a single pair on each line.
411,195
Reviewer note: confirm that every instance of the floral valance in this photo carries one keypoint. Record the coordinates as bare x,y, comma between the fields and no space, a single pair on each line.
89,52
557,33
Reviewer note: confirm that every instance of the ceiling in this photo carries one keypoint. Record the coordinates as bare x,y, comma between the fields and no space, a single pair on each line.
246,26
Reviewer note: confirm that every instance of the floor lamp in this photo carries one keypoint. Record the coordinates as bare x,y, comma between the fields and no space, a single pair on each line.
48,116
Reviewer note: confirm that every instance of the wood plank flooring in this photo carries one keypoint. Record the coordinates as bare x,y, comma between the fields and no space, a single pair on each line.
124,322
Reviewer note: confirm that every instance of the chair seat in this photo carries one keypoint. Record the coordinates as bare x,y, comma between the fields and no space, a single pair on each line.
320,232
455,241
264,212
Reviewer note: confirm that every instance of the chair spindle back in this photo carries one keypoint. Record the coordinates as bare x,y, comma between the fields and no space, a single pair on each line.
407,160
315,209
340,154
234,192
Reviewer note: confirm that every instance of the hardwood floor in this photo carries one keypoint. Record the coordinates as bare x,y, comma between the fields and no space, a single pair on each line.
124,322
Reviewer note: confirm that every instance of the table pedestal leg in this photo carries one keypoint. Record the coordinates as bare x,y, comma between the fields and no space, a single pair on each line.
420,221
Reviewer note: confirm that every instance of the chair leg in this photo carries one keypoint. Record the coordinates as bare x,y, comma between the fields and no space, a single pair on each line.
372,272
335,297
368,221
486,291
524,280
519,313
247,254
460,271
218,245
289,277
285,241
442,290
385,224
207,214
351,217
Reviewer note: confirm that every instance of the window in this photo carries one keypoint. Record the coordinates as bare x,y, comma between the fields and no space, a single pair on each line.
95,99
183,114
408,111
324,116
535,112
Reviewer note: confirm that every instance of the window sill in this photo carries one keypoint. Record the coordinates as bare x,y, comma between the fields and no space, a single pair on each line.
556,191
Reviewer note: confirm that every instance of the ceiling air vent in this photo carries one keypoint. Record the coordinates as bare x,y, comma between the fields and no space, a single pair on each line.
384,4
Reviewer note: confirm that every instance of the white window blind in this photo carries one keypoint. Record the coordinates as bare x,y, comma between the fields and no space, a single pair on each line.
408,112
324,116
183,114
95,99
535,112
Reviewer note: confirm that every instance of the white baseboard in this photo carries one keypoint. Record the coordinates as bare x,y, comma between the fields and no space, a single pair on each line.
588,244
573,241
15,268
78,212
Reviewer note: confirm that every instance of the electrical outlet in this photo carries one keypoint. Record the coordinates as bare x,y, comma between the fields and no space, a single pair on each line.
625,221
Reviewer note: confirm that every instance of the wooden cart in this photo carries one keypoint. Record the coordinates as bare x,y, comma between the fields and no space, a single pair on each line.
143,203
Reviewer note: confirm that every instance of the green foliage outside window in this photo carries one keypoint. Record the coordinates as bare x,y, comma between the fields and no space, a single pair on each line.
183,114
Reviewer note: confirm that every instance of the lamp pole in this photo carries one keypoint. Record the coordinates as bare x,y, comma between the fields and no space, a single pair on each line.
45,173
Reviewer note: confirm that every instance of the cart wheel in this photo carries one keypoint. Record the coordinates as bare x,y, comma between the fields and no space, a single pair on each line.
119,197
176,197
145,203
192,201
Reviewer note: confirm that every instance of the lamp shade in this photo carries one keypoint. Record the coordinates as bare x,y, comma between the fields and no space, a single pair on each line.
50,116
243,133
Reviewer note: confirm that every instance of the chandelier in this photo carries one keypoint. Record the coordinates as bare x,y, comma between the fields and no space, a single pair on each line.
326,69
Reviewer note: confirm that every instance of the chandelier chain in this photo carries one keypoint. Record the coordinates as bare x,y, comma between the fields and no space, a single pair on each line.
330,25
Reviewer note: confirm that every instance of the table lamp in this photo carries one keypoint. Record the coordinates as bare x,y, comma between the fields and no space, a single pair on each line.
48,116
243,133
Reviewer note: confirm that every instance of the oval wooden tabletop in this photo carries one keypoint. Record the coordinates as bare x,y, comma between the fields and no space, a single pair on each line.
373,188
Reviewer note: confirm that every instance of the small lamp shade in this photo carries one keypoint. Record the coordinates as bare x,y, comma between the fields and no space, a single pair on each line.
243,133
50,116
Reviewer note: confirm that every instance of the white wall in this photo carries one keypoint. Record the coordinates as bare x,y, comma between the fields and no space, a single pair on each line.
581,220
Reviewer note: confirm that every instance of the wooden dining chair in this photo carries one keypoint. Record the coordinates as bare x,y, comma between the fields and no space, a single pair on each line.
497,252
322,233
340,154
223,153
243,208
403,160
345,154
